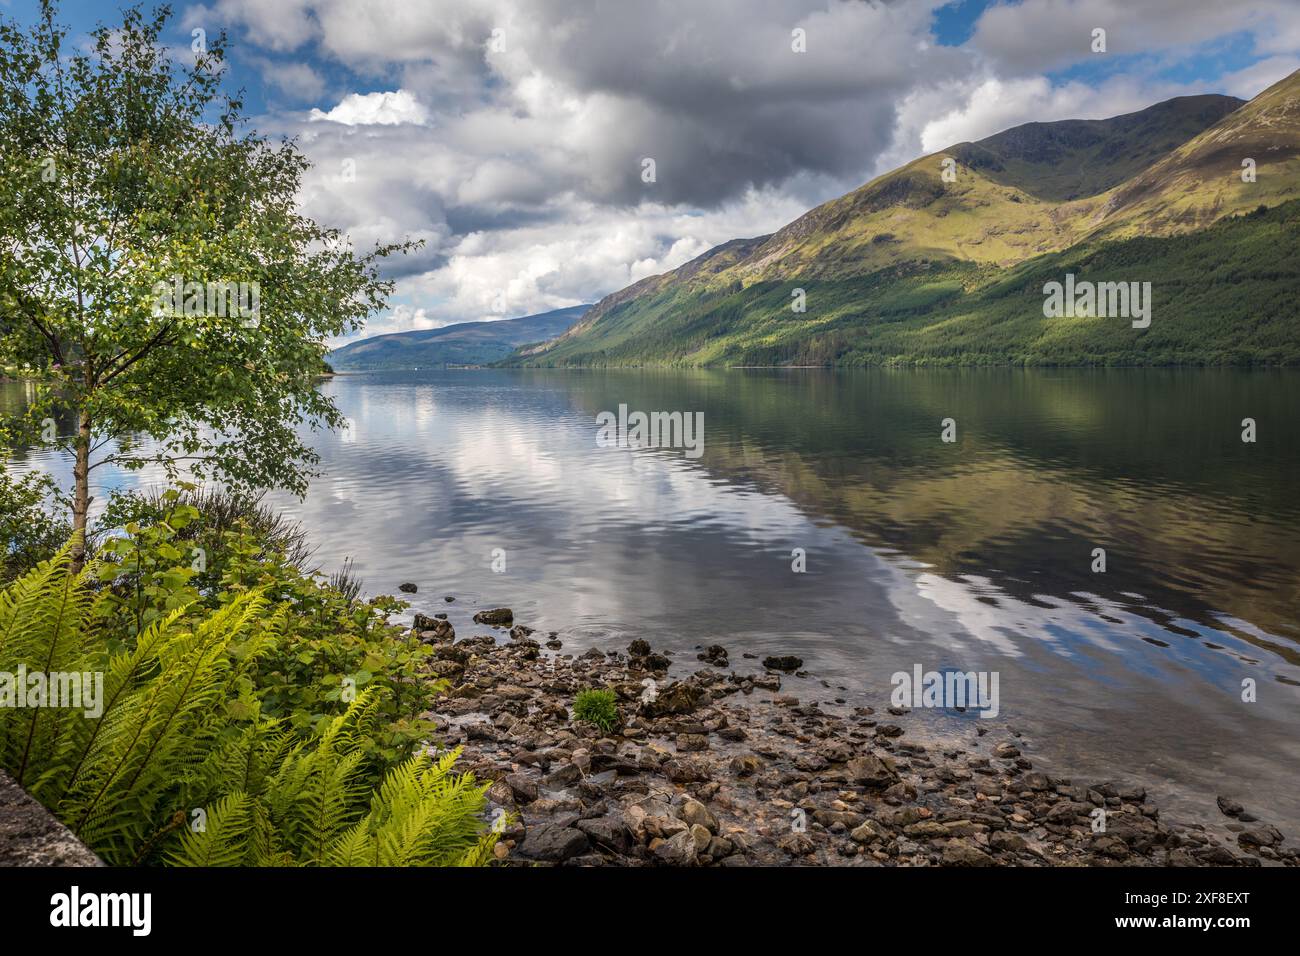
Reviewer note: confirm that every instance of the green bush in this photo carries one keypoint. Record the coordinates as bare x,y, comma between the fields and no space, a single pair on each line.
182,764
330,643
29,534
216,511
596,707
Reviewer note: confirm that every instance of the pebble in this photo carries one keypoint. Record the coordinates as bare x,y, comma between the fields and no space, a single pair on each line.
720,769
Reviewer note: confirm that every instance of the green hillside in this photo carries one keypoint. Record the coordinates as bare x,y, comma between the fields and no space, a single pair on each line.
1224,295
465,343
911,268
1074,159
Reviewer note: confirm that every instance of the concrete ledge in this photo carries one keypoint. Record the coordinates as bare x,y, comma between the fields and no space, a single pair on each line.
31,836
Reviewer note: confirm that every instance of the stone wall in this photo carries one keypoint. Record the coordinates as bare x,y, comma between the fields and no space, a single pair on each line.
31,836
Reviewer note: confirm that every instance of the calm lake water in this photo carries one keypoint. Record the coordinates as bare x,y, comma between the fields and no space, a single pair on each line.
974,555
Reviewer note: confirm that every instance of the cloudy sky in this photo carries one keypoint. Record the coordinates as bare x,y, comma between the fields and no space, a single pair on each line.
511,135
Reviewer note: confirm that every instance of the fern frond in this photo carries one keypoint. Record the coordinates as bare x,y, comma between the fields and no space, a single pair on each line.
225,838
162,729
125,673
43,630
422,815
318,792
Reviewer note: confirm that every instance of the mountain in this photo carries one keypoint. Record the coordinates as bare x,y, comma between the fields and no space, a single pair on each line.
466,343
915,267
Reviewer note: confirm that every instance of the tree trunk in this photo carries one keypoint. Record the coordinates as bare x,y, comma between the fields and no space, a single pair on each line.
81,492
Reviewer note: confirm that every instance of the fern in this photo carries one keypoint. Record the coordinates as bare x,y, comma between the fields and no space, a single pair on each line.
179,731
159,732
224,838
41,631
422,816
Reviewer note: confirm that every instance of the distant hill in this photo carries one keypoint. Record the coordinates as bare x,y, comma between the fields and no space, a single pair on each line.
914,267
466,343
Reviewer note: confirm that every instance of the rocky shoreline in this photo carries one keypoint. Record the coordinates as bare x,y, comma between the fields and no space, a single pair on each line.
720,768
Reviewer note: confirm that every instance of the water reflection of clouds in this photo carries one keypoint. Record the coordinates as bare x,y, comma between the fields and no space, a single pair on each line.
606,544
1143,641
429,478
514,459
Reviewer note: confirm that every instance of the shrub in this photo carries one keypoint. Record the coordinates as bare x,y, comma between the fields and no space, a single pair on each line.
181,739
29,533
596,707
217,511
331,644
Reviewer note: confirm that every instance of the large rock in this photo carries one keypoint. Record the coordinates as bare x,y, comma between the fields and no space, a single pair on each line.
434,631
927,830
565,775
1215,856
523,787
1230,807
31,836
693,812
1067,812
679,850
869,832
679,697
716,655
685,770
500,793
702,838
495,617
961,853
553,843
1140,832
870,771
619,764
1007,842
1110,846
608,831
1260,836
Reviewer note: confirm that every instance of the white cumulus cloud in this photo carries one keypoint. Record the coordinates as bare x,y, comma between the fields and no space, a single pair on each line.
510,135
375,109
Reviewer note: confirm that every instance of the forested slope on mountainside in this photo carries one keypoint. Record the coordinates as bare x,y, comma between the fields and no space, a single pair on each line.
465,343
913,268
